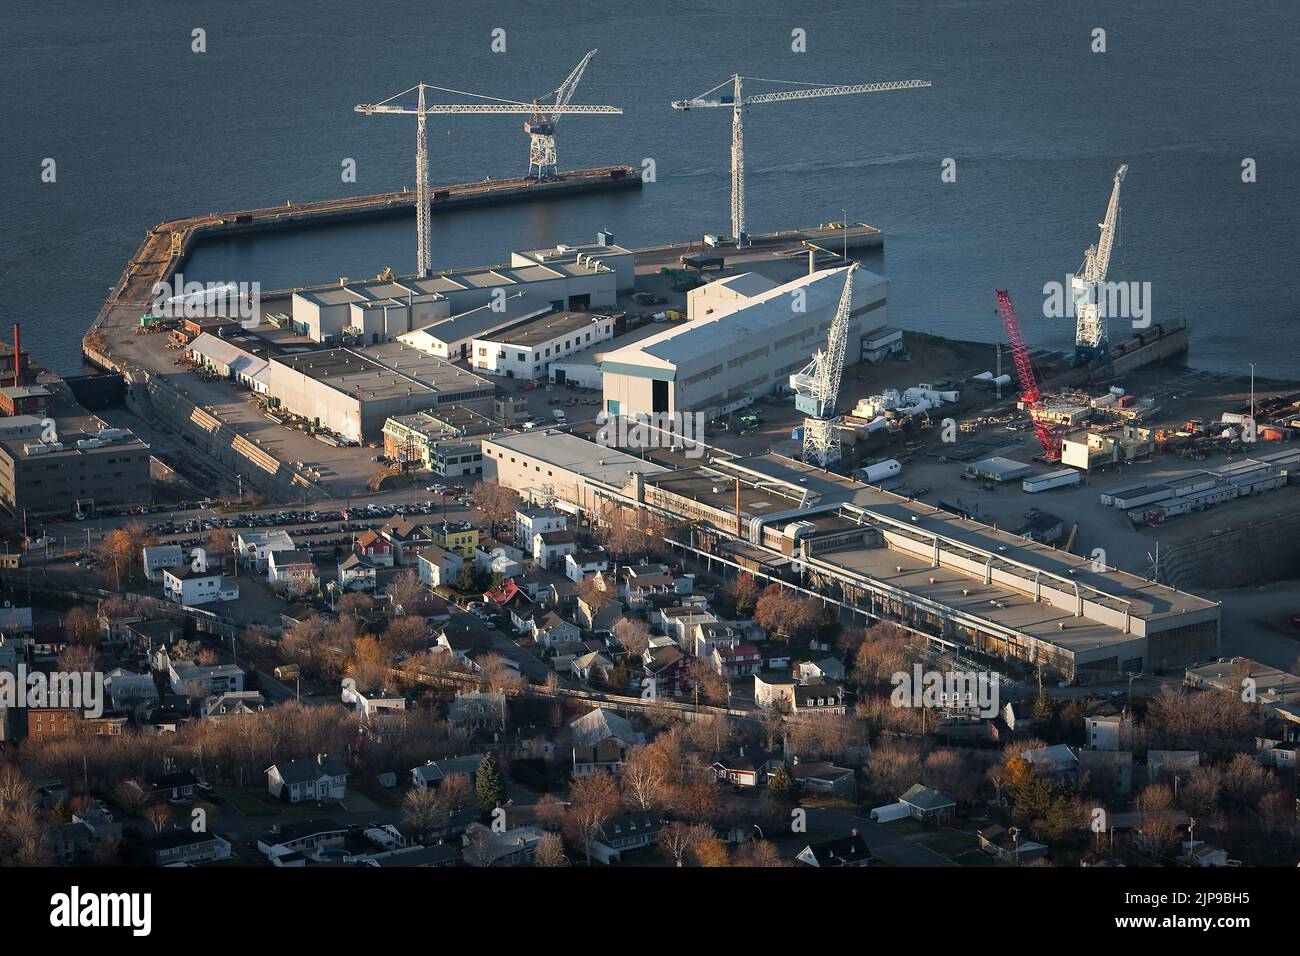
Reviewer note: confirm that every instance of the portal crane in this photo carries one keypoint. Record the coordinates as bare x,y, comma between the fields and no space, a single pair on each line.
817,386
541,127
738,101
420,109
1049,435
1090,339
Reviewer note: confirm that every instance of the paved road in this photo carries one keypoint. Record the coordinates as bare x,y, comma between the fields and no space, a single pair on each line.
1247,616
884,843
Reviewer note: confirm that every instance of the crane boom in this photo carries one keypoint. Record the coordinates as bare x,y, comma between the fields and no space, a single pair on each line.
1049,436
1090,338
400,104
737,101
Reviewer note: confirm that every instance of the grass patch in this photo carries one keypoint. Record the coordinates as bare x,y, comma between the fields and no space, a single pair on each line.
253,803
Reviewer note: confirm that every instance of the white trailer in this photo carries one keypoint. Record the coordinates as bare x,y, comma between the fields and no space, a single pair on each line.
1061,478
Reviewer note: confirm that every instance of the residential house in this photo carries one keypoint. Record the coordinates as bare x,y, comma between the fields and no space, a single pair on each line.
711,634
580,564
625,833
774,691
601,741
549,548
1015,846
295,571
375,548
1107,726
185,847
255,547
438,567
818,699
308,778
666,666
433,772
218,707
458,536
820,776
407,536
736,662
127,690
170,786
1057,760
357,573
532,520
478,710
600,618
826,670
513,847
679,621
594,666
929,805
1200,853
159,556
745,770
287,843
550,629
844,851
184,585
498,559
202,680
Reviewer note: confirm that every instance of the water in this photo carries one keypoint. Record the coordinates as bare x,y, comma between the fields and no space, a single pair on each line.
143,130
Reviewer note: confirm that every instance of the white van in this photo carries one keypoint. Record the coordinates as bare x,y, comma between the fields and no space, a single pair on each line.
558,415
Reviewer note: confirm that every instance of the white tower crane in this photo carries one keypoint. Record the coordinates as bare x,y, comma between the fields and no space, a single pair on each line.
817,386
738,101
1090,340
399,103
541,127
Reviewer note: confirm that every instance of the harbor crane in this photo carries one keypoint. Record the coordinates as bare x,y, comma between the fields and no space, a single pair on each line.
1090,337
420,108
817,386
1048,434
737,101
541,127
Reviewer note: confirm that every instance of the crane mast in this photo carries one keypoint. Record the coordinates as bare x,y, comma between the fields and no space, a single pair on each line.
421,109
736,100
541,127
1090,336
1049,435
817,386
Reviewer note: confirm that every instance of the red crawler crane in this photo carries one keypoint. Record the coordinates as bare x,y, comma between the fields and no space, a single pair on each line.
1049,435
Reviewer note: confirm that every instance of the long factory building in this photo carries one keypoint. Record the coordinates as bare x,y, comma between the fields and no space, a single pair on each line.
574,277
962,582
744,336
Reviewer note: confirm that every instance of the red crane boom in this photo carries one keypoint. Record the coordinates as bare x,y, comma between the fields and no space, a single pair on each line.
1049,436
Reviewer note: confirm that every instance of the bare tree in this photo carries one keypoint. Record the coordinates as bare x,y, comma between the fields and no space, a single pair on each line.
679,839
644,779
158,815
593,800
496,501
550,851
633,634
403,589
421,809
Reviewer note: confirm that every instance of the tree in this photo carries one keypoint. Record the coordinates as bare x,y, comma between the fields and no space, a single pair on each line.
81,626
785,613
465,580
745,593
633,634
592,801
496,501
711,852
550,851
489,787
781,785
680,838
159,815
407,633
644,778
421,809
1043,710
404,589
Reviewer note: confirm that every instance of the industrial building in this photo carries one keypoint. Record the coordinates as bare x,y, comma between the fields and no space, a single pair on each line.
84,468
410,437
744,336
452,338
527,349
230,361
963,583
369,313
1093,450
352,392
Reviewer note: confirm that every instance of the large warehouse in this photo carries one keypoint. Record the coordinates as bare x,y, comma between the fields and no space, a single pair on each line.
743,337
379,311
353,392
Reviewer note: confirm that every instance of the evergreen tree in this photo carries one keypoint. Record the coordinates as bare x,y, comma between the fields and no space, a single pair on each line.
1043,711
488,785
780,785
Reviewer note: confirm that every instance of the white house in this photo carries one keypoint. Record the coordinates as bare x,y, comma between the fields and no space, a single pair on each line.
293,569
357,573
550,629
579,564
439,567
186,586
551,547
310,778
254,547
159,556
203,680
533,520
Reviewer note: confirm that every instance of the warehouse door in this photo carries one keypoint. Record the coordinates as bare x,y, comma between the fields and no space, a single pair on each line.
659,397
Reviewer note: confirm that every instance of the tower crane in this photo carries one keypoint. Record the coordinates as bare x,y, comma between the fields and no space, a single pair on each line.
1090,339
420,108
817,386
541,127
1049,435
737,101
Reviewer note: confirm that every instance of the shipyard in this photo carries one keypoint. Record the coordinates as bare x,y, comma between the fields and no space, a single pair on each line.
628,544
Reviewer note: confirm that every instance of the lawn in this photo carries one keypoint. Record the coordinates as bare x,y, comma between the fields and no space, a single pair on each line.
259,803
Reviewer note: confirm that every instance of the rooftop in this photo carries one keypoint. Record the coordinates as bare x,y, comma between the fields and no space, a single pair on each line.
543,328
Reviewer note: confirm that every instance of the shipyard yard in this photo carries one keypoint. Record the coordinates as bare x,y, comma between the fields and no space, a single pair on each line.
647,511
